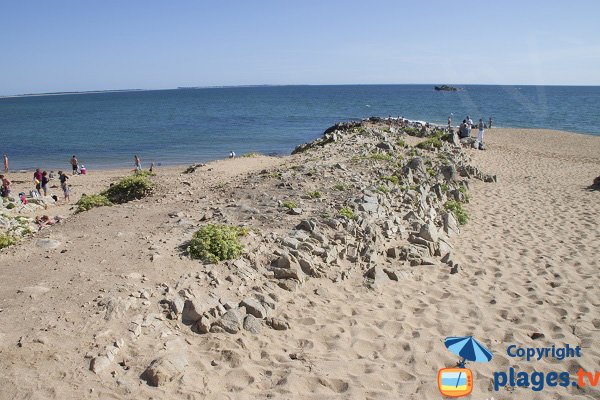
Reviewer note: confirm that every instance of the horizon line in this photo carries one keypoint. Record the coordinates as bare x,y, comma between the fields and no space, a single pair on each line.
99,91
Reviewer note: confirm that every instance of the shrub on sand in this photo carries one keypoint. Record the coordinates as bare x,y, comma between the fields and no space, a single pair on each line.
213,243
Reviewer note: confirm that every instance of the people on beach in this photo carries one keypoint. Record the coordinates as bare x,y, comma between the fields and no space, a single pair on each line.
5,157
463,131
62,177
74,164
490,123
37,179
480,132
449,121
469,122
5,190
232,154
151,166
44,182
137,162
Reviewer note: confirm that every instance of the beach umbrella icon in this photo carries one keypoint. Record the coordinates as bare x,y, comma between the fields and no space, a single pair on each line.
468,348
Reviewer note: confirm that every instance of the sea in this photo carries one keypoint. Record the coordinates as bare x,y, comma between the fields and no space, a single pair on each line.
191,125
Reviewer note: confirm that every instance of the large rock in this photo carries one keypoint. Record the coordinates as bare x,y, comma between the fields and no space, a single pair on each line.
165,369
254,308
230,322
429,232
47,244
450,224
252,324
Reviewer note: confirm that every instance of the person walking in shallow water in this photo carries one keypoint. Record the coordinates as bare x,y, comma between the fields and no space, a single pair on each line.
5,163
137,162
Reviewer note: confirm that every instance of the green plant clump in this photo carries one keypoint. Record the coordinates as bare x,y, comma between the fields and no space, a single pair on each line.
7,240
251,155
10,206
144,173
380,157
289,205
314,194
430,143
393,178
401,143
213,243
87,202
382,189
130,188
347,212
457,209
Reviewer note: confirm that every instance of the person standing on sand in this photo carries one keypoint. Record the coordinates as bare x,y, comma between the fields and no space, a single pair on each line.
5,163
137,162
469,125
490,123
45,181
74,164
449,121
62,177
481,130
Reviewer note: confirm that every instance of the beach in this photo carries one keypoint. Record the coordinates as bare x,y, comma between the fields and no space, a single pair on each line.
108,291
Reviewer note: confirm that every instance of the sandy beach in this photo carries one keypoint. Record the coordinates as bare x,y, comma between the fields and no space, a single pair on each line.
528,265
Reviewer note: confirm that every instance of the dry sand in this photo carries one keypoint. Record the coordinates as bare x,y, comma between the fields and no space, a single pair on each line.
529,263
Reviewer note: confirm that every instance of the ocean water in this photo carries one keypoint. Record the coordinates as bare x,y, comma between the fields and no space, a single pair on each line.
183,126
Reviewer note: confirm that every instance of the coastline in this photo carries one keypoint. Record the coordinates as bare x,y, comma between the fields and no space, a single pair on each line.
531,243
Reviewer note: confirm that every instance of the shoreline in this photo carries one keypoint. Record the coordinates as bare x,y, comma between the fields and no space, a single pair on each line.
169,165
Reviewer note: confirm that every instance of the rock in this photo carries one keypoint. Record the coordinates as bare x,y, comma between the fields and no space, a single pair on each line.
278,324
202,325
393,252
450,224
429,232
294,272
290,285
254,308
290,242
307,225
230,322
165,370
378,275
175,304
252,324
449,172
192,311
454,269
47,244
296,211
385,146
284,261
99,364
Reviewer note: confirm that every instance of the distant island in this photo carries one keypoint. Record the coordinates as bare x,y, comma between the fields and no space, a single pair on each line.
446,88
65,93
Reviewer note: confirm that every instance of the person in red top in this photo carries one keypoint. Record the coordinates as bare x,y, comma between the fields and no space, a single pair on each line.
5,186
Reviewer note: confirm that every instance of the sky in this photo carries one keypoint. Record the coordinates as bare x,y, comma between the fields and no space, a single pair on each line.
48,46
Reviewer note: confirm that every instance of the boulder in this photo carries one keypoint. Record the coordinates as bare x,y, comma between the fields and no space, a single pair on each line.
164,370
252,324
254,308
429,232
230,322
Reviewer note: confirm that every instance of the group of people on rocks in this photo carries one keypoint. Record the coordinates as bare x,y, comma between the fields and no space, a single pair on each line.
41,179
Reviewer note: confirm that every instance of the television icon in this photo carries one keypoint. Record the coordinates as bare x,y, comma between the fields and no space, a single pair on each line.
455,382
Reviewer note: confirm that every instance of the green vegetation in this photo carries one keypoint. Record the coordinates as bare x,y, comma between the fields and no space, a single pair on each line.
340,187
431,172
430,143
144,173
457,209
463,190
129,188
314,194
380,157
289,205
411,131
10,206
382,189
7,240
88,202
444,187
391,178
251,155
347,212
213,243
400,143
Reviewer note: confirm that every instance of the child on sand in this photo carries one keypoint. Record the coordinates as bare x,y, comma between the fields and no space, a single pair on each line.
63,184
5,163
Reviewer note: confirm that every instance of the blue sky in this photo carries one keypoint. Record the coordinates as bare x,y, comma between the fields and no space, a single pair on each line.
88,45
